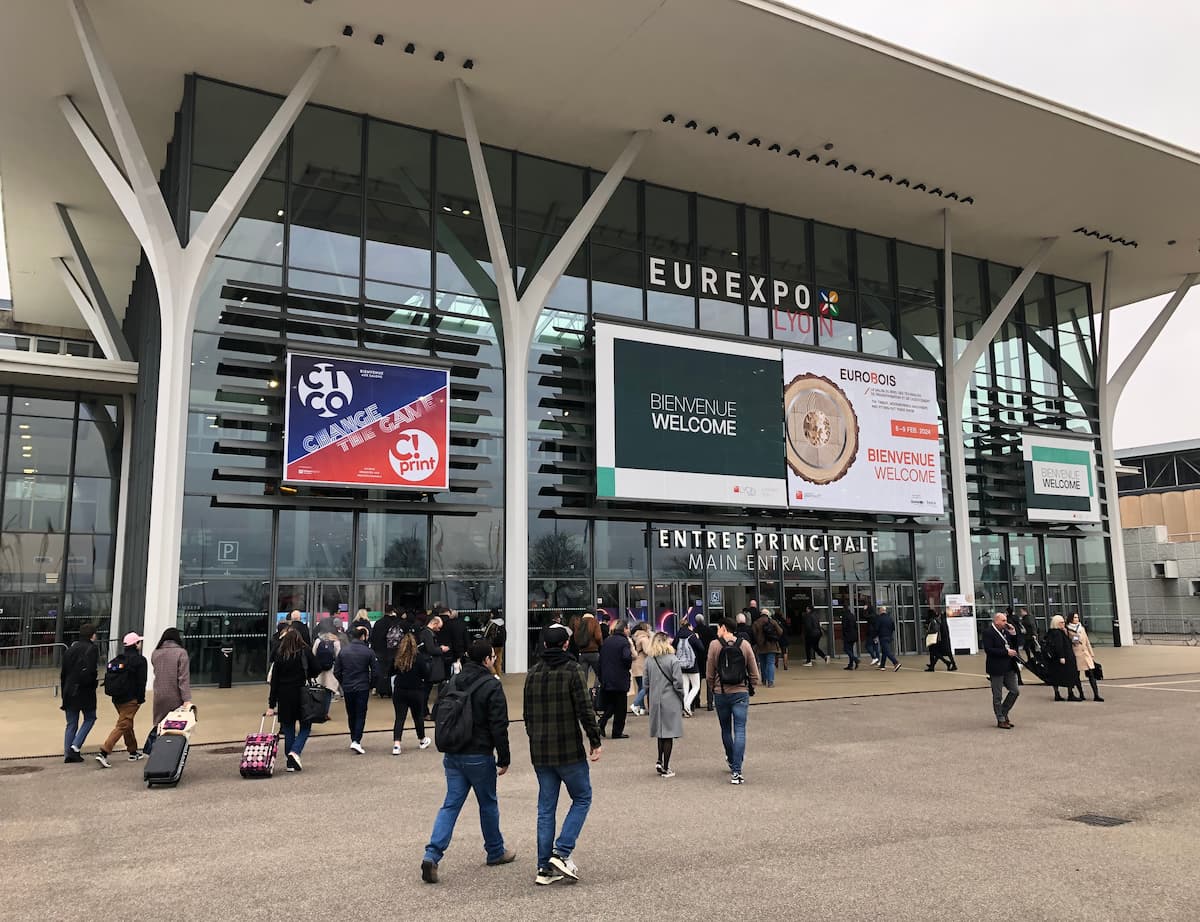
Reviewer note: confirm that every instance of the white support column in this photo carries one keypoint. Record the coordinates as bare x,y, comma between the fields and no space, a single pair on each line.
178,275
959,372
119,618
518,320
1110,389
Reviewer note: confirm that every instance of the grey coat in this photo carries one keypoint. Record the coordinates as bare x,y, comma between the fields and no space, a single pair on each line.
665,680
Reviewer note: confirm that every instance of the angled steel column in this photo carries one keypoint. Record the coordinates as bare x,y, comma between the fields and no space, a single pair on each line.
959,373
518,322
178,276
1110,389
89,295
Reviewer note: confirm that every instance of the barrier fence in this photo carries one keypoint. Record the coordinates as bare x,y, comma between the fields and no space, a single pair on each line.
1166,630
31,666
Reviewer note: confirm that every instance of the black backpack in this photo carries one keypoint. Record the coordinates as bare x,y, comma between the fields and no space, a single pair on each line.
326,654
453,717
731,664
116,677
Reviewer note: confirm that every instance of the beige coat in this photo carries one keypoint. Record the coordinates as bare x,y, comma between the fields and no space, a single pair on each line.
641,649
1085,658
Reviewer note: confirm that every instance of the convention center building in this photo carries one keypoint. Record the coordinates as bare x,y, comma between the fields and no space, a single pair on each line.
649,308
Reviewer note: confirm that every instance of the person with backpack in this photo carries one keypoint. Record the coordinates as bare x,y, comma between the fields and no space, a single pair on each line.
766,642
325,650
494,633
409,671
172,680
78,678
664,681
588,639
293,666
471,732
689,651
125,682
556,707
733,671
356,670
385,638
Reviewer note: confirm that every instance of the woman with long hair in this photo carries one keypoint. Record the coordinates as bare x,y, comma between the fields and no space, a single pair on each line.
640,641
1085,657
172,680
294,665
409,673
1061,658
664,688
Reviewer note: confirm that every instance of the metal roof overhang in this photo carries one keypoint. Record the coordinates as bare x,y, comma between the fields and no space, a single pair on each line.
570,79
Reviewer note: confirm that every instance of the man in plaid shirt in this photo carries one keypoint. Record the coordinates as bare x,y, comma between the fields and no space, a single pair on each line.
557,704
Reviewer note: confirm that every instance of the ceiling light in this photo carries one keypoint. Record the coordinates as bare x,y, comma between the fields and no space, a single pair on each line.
469,64
733,252
953,196
903,182
272,383
379,39
278,243
1170,243
734,136
850,168
279,213
968,200
26,425
919,187
713,131
348,31
812,158
440,56
243,299
410,48
692,124
868,173
831,162
775,148
447,208
29,470
886,177
794,152
26,436
755,142
467,212
828,145
668,119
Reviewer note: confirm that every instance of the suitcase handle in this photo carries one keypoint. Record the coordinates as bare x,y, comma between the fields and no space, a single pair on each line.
274,724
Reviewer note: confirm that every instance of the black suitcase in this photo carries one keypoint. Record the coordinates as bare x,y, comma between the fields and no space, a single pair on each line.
165,764
1038,667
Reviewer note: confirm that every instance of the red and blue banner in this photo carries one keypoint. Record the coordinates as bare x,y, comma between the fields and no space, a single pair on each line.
355,423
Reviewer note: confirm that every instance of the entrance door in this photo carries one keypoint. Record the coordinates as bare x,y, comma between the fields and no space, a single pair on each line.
1063,599
635,601
901,600
315,599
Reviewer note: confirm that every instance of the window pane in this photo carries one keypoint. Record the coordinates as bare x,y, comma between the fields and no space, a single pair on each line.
398,164
35,503
668,223
618,224
456,185
464,263
921,332
223,541
789,248
617,278
257,233
551,194
325,232
93,500
878,318
717,230
392,546
678,310
467,547
327,149
874,265
559,549
399,240
725,317
570,291
832,248
1093,558
314,543
98,448
40,445
32,562
836,327
893,560
621,550
90,562
1026,558
227,123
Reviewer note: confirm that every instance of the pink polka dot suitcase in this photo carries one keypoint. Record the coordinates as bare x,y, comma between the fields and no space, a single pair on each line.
258,756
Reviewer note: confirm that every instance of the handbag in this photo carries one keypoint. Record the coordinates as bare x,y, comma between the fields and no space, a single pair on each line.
1097,671
931,640
314,702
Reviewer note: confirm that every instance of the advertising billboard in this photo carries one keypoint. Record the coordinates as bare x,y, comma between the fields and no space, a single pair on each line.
687,419
861,435
355,423
1060,478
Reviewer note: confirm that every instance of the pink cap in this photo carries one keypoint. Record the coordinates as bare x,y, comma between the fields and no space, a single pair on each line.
131,638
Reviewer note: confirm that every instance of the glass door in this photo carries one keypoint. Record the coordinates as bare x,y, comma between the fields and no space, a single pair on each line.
901,601
666,607
692,601
636,601
841,601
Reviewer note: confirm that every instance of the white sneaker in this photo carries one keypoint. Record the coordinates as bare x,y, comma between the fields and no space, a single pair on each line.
395,749
425,743
357,747
565,866
102,758
874,662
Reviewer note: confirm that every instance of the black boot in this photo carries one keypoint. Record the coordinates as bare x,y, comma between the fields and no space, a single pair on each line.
1095,689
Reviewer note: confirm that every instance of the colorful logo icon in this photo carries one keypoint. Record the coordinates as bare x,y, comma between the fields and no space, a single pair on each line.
415,455
829,302
325,389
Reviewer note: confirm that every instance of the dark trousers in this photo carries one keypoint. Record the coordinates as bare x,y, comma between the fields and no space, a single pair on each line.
812,647
999,684
356,712
936,653
614,707
407,701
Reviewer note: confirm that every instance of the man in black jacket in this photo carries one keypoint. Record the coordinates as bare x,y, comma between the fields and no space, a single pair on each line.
454,635
474,766
1001,668
707,634
78,680
382,646
616,661
357,670
850,636
125,683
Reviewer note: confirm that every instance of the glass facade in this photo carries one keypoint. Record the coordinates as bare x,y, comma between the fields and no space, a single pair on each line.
59,474
365,238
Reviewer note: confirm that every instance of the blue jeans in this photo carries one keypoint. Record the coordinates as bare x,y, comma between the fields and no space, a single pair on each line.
851,648
731,714
640,698
885,652
766,667
76,734
579,786
293,741
873,647
467,772
356,712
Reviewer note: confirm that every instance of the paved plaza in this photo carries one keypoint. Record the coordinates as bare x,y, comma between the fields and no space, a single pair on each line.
908,806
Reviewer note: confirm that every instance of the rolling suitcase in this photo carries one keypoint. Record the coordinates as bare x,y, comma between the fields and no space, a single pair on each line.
258,757
1037,666
164,766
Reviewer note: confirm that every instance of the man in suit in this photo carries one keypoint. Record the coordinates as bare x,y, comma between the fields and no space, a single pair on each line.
1001,652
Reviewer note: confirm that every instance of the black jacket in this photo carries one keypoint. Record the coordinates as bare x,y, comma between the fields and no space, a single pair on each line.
455,636
135,689
379,634
616,659
885,626
996,647
849,627
687,636
489,713
288,676
302,628
1058,646
708,634
79,676
811,624
872,619
412,680
429,646
356,667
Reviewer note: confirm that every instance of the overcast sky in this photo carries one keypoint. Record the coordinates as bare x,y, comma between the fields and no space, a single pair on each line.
1132,63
